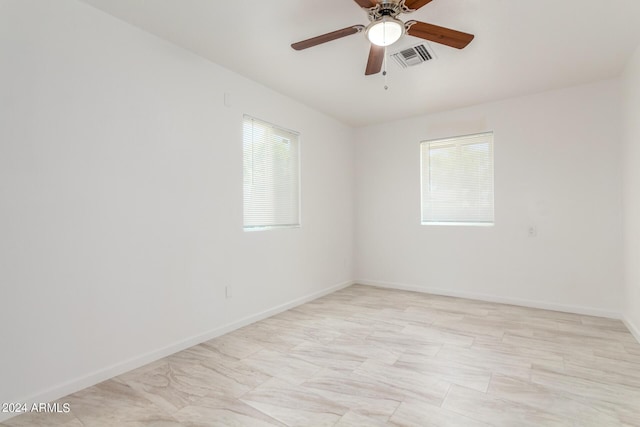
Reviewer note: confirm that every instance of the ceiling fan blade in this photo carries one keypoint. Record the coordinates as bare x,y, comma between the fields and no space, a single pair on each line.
442,35
413,5
376,56
314,41
367,4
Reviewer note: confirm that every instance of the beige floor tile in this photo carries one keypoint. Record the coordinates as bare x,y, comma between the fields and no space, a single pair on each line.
281,365
361,395
402,384
294,405
112,403
41,419
352,419
221,411
500,412
578,409
417,414
366,356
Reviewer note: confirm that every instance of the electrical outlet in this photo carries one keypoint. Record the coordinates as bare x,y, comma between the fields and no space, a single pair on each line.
533,231
227,291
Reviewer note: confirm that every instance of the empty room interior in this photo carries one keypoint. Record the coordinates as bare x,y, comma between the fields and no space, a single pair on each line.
335,213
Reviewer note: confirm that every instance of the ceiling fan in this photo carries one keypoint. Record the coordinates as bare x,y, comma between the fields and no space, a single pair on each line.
385,29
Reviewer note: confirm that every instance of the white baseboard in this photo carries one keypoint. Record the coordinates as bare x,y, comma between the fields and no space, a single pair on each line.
96,377
590,311
633,328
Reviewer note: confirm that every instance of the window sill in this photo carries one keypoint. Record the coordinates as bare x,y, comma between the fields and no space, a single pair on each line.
270,227
464,224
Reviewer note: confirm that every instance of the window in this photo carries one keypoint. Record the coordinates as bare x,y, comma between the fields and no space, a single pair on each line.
271,184
457,180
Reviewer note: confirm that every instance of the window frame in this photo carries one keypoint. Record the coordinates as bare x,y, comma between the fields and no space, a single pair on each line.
457,141
276,129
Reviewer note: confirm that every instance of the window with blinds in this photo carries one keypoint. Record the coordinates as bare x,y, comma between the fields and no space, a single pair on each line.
457,180
271,176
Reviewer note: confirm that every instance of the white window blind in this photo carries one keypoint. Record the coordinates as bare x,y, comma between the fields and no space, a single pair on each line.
457,180
271,175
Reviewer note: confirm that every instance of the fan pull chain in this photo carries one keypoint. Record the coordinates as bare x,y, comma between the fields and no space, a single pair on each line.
384,69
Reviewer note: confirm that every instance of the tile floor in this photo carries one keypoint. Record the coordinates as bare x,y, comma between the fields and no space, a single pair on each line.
366,356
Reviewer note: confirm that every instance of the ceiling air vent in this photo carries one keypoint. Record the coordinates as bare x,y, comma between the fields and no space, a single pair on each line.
414,55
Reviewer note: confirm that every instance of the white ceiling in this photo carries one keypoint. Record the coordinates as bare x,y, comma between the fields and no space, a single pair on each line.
521,47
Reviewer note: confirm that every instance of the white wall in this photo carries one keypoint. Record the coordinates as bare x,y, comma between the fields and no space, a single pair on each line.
631,194
557,161
121,200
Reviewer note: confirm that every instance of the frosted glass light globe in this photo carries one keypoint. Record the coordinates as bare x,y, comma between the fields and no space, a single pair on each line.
385,32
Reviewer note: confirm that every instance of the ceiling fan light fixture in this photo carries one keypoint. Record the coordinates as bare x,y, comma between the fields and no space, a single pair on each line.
385,31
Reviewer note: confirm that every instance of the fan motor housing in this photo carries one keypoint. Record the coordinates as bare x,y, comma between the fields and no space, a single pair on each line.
385,9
